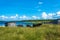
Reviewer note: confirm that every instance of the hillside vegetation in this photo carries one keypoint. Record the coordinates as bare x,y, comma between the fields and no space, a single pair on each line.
44,32
37,20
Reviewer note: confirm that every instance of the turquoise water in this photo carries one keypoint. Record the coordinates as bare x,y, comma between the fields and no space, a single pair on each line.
18,23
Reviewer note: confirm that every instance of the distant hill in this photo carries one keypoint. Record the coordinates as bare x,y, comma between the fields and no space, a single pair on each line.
30,20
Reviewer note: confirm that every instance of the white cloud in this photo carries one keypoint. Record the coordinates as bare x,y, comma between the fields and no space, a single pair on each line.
58,13
20,17
40,2
27,18
44,15
3,17
35,17
14,17
23,17
50,16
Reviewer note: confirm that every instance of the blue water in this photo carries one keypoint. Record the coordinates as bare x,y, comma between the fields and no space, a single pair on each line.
24,23
17,23
2,23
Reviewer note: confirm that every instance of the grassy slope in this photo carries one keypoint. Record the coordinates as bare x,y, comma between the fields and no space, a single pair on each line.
44,32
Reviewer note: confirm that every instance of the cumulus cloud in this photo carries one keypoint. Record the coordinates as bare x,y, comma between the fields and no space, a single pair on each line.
3,17
58,13
23,17
14,17
35,17
44,15
20,17
50,16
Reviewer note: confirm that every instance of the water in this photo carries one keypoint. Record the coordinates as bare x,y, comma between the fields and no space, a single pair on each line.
24,23
2,23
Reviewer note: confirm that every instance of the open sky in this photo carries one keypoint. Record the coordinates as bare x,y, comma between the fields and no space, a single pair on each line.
29,9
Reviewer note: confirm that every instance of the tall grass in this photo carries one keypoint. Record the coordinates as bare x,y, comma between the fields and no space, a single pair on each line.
44,32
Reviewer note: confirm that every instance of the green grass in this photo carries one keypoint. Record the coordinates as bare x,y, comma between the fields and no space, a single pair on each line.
44,32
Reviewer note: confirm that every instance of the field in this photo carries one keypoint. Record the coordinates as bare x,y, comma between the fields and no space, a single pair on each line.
43,32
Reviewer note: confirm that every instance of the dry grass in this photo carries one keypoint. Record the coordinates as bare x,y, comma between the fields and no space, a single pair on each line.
44,32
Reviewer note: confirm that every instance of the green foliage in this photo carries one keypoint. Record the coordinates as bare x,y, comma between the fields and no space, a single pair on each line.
44,32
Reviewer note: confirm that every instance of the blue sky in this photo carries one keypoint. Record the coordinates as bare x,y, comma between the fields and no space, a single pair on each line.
29,9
